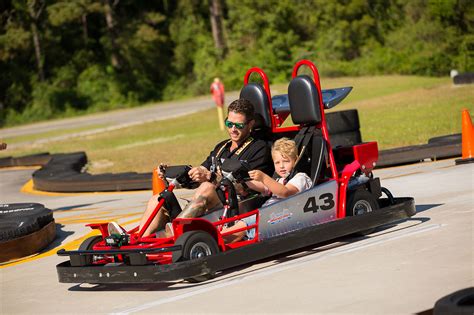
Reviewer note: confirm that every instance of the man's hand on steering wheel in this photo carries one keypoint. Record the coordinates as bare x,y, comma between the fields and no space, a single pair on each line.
200,174
160,170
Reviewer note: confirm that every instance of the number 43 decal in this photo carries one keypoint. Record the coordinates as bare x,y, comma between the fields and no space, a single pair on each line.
311,205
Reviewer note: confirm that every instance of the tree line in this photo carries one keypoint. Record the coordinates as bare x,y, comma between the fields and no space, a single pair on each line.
60,58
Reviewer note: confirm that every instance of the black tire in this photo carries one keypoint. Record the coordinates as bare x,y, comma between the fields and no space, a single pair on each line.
196,244
20,209
459,302
88,244
20,219
361,201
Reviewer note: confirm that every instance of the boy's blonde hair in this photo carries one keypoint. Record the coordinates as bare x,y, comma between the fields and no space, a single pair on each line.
286,147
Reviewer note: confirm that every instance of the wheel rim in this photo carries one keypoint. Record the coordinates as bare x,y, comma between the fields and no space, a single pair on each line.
199,250
97,258
361,207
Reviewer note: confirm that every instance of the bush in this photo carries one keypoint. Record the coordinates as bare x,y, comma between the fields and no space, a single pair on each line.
100,89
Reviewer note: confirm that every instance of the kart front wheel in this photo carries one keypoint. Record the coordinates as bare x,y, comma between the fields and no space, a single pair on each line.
195,245
88,244
361,202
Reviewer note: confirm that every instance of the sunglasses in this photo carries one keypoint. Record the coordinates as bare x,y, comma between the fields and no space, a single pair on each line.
230,124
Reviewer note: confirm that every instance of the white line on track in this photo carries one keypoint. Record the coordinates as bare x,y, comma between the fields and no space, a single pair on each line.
288,265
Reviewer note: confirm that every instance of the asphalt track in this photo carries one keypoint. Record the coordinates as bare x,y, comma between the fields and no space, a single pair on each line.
400,269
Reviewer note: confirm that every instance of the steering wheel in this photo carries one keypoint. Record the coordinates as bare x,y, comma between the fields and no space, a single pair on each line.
179,174
235,170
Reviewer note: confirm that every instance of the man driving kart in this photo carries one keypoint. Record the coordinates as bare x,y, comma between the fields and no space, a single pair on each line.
240,145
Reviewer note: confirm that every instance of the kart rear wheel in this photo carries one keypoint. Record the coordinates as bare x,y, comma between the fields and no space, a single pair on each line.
196,244
360,202
88,244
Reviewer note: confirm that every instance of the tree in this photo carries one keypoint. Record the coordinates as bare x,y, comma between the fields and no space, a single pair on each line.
67,12
215,13
35,9
115,57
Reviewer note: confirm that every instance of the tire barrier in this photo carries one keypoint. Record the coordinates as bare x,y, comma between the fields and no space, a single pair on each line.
39,159
436,149
456,138
464,78
63,174
25,229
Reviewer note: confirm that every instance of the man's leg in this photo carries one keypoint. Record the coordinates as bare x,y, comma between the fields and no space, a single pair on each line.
231,238
158,221
204,198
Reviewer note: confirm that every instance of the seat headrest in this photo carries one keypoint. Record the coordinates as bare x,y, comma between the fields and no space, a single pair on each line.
255,93
303,99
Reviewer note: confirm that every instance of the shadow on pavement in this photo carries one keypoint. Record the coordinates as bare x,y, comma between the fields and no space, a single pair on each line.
421,208
60,237
74,207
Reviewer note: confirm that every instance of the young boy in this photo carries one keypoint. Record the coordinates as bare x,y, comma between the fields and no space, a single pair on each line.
284,155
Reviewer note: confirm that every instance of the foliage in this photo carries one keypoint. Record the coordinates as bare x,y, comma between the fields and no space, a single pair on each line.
63,57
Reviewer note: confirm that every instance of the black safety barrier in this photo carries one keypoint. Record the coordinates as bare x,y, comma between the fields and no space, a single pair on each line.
436,149
63,174
39,159
464,78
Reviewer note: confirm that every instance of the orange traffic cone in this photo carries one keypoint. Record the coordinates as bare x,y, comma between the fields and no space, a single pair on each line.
157,183
467,139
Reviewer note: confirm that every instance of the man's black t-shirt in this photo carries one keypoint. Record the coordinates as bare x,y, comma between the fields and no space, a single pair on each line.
256,153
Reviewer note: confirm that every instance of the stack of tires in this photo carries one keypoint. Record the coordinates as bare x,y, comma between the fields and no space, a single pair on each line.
25,229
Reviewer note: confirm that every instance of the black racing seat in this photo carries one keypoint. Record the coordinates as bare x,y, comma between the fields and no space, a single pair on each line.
255,93
305,111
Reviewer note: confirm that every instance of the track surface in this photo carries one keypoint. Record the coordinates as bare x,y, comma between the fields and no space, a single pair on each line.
400,269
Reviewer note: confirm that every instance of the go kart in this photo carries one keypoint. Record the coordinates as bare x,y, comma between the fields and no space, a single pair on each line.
345,199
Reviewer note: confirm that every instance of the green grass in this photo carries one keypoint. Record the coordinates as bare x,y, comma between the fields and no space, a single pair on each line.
394,110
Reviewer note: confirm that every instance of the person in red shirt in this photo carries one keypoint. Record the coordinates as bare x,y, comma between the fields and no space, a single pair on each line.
217,90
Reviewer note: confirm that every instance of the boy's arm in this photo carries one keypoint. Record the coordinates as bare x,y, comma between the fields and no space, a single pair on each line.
278,189
275,187
257,186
